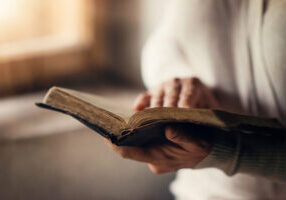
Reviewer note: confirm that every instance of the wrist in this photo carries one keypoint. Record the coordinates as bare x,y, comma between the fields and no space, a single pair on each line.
223,154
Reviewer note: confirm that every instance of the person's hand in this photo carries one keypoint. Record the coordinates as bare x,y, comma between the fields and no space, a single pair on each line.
187,147
186,93
184,151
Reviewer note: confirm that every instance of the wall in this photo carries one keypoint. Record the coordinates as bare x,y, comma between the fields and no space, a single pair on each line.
131,24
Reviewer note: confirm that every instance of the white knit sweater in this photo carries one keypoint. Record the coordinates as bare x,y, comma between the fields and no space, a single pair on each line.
237,48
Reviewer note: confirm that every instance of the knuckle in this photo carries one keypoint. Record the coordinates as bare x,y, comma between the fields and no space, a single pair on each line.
124,153
193,81
175,80
157,170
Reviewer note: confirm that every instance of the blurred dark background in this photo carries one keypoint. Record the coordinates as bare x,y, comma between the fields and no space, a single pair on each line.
89,45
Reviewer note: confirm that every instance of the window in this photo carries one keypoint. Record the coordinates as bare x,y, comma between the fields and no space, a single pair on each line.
44,40
33,26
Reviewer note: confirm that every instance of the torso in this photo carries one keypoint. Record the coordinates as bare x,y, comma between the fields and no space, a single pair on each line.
239,49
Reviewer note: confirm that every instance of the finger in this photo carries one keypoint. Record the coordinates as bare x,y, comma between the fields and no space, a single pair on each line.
211,100
155,169
133,153
142,101
157,97
190,93
179,136
172,91
160,169
202,102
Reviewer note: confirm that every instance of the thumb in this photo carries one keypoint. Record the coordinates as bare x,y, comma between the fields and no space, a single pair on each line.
179,136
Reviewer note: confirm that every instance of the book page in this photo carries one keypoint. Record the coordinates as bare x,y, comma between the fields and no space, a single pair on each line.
207,117
118,108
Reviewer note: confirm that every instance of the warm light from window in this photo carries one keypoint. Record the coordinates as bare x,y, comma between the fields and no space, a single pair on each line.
29,26
9,10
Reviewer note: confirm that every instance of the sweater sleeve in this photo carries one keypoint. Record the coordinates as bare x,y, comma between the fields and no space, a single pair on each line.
255,154
252,154
274,51
163,56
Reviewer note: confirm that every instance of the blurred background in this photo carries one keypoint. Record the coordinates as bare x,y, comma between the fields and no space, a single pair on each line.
89,45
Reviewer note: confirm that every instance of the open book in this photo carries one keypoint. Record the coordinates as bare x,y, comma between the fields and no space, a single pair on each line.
124,127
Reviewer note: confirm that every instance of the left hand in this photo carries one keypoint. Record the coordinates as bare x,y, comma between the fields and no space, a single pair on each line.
184,151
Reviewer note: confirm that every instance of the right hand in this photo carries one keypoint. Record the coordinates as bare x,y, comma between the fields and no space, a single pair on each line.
178,92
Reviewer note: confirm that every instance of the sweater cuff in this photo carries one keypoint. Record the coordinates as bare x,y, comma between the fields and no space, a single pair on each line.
248,153
224,154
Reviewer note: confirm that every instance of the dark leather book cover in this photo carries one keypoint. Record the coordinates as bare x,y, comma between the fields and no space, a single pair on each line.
153,133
